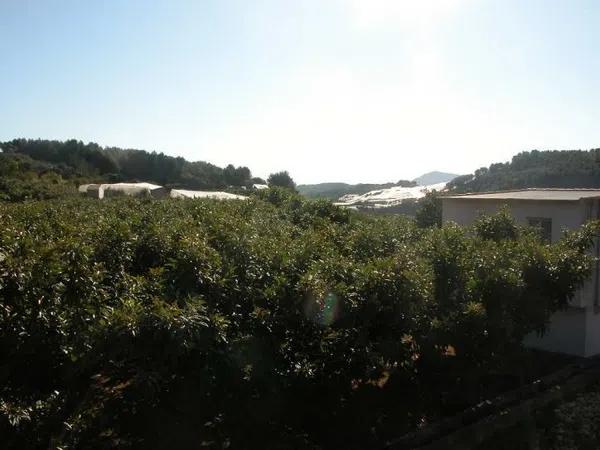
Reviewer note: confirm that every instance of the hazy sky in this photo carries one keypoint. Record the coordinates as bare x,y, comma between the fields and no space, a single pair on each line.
331,90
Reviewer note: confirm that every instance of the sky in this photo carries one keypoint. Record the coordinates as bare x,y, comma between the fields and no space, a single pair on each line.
330,90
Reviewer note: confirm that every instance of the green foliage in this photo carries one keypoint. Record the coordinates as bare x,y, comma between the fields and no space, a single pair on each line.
275,322
429,212
239,176
281,179
22,178
75,160
498,227
257,180
558,169
575,424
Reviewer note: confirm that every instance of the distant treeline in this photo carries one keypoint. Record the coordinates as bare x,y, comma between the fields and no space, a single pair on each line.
75,159
543,169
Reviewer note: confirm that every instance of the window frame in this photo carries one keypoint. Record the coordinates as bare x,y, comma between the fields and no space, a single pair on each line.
544,224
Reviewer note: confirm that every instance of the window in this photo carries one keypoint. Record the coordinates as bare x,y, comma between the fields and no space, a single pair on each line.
544,225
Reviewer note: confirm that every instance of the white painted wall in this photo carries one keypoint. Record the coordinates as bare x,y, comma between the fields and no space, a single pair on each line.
566,333
564,215
575,331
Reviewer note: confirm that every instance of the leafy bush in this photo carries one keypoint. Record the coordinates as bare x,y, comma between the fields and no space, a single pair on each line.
274,323
429,212
575,424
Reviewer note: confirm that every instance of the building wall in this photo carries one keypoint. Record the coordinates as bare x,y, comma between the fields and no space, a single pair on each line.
564,215
565,334
592,328
577,330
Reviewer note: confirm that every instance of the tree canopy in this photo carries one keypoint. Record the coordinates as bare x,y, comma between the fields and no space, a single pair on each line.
74,160
543,169
275,322
429,212
281,179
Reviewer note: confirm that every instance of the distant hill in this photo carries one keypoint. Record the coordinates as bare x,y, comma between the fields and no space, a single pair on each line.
543,169
333,191
389,197
42,169
434,178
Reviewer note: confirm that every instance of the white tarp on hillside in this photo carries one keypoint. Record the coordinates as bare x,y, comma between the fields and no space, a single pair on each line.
382,198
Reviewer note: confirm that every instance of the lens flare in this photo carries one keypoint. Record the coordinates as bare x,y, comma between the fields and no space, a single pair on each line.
322,310
329,309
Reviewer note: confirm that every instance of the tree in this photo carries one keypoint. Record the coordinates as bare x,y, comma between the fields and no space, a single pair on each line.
535,169
93,163
127,313
258,180
281,179
237,176
429,213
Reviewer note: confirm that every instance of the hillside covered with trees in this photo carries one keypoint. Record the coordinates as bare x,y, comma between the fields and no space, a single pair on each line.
276,322
48,169
541,169
333,191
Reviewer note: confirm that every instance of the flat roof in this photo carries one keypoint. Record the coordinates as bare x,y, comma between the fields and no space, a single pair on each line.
532,194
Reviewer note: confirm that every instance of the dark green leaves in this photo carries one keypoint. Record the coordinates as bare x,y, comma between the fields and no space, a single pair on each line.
277,321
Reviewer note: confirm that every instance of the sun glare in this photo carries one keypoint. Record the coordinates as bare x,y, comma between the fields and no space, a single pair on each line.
406,13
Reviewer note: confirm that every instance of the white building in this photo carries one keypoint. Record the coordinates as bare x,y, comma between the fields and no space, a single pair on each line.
575,331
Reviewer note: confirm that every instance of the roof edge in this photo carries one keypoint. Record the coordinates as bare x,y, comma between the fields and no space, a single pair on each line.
522,190
507,191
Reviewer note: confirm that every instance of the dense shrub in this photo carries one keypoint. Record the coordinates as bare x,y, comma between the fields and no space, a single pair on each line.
429,211
21,184
575,424
269,323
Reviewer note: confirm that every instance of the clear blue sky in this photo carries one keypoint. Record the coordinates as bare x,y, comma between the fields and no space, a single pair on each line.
331,90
